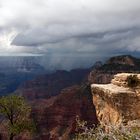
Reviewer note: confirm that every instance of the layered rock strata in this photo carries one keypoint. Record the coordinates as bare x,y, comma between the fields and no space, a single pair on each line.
116,103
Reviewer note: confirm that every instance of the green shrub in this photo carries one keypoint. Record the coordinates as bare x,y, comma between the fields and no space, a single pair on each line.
133,81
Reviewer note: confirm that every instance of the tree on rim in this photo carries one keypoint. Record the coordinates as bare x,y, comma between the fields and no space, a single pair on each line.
16,112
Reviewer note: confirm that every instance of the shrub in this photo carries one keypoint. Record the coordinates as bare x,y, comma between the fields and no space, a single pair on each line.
107,132
133,81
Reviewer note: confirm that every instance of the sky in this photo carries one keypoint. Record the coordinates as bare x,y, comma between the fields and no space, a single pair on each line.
69,33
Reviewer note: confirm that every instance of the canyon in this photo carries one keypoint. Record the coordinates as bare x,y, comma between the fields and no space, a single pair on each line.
58,98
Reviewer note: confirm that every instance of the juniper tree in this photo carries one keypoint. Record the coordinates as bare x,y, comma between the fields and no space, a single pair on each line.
16,112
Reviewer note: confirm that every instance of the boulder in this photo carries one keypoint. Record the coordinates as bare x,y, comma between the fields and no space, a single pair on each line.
121,79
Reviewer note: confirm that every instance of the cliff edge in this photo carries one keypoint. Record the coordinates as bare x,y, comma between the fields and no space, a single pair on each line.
116,103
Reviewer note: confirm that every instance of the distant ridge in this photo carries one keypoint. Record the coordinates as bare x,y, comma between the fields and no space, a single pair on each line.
117,64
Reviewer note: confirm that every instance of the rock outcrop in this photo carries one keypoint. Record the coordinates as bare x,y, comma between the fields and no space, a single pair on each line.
116,103
121,79
118,64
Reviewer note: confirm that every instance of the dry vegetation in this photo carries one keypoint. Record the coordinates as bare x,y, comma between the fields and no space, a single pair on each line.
108,131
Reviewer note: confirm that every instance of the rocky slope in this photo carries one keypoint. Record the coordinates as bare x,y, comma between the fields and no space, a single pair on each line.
116,103
49,85
56,117
114,65
10,82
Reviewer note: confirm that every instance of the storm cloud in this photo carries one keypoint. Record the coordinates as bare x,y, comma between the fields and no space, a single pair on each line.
70,33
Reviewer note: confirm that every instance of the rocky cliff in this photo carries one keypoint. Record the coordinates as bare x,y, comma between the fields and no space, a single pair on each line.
115,102
118,64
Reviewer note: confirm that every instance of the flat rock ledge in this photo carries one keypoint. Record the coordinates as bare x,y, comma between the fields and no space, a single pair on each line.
116,104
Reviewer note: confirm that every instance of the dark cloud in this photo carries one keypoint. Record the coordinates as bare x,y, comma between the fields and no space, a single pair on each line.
75,31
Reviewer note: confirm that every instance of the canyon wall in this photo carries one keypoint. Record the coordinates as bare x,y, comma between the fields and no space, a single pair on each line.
116,103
